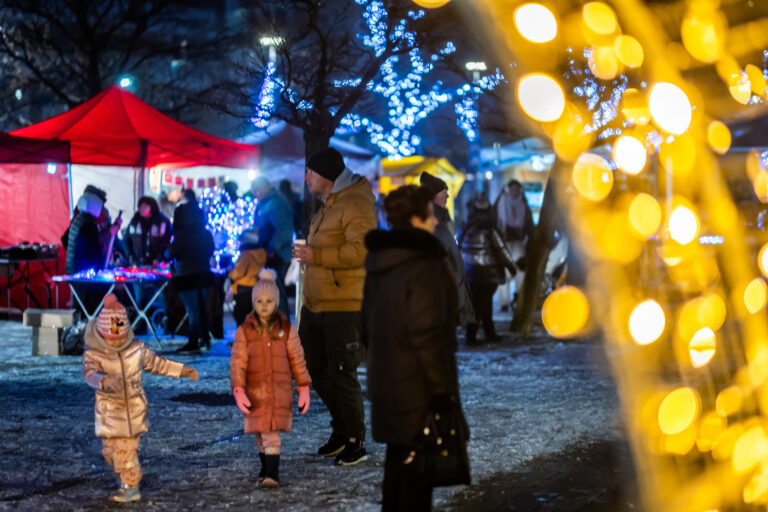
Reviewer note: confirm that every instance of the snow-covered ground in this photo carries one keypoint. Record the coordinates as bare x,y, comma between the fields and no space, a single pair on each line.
523,399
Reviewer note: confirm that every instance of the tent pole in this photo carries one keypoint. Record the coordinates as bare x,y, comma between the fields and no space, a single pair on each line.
142,169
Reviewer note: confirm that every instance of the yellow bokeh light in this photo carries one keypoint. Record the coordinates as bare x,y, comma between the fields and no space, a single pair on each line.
541,97
571,136
678,410
741,90
565,312
683,225
629,51
755,295
645,215
711,311
701,348
634,107
703,34
762,260
615,239
603,62
710,427
592,176
749,449
646,322
678,155
536,23
729,401
629,154
431,4
760,186
599,17
719,137
670,107
756,79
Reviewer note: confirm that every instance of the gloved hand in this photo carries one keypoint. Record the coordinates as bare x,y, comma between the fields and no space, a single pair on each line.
303,399
189,373
111,383
242,400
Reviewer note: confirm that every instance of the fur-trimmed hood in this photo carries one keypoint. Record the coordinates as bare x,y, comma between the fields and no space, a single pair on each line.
94,340
387,249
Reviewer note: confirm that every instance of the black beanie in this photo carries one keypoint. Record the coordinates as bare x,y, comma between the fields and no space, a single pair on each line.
328,163
90,189
433,184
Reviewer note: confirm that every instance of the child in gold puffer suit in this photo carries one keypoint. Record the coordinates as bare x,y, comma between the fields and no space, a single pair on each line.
113,365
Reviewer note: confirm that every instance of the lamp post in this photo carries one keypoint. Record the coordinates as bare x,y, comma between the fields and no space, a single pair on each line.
271,42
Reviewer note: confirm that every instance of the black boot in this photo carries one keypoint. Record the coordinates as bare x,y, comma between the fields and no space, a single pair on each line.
191,348
207,341
263,471
272,471
472,334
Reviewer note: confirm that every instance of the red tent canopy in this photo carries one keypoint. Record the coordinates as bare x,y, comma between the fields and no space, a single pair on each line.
117,128
22,150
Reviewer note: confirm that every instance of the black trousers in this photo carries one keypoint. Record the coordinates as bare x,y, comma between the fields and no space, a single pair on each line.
400,492
482,298
331,342
281,267
243,303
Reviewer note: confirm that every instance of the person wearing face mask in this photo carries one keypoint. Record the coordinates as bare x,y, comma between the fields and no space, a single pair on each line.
409,311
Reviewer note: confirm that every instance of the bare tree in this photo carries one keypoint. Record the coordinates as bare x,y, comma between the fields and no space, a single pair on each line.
62,52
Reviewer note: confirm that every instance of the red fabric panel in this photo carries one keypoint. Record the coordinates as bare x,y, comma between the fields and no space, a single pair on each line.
22,150
117,128
34,205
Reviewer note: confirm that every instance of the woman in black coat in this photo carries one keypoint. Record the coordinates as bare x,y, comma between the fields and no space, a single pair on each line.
192,249
409,311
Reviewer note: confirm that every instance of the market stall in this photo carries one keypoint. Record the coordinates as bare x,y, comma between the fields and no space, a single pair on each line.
406,171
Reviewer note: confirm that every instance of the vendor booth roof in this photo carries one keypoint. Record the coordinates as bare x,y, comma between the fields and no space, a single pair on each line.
22,150
117,128
415,165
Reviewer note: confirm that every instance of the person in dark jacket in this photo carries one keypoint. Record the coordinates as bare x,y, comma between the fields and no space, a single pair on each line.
446,233
148,234
192,249
274,221
409,307
294,200
486,256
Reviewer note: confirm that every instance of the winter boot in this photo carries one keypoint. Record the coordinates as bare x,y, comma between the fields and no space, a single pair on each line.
354,452
191,348
207,341
333,447
472,335
272,472
263,471
127,493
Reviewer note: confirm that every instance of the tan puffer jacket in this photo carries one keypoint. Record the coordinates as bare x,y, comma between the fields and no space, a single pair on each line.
263,363
334,279
122,413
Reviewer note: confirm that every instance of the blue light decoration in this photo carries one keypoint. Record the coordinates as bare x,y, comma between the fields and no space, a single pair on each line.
400,81
51,168
226,220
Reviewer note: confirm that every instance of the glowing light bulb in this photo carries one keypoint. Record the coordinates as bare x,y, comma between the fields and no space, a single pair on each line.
683,225
646,322
755,295
629,154
645,215
701,348
536,23
670,107
592,176
678,410
629,51
431,4
762,260
565,312
541,97
599,17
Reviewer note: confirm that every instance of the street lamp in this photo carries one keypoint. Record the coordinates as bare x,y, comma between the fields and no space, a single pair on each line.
475,67
125,81
271,42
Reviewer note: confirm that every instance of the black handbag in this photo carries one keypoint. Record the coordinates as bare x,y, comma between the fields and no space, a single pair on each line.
439,457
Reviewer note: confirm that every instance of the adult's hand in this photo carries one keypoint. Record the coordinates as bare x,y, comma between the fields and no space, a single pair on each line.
303,399
303,253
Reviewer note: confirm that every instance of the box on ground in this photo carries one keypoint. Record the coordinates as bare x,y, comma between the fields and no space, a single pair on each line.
48,317
45,341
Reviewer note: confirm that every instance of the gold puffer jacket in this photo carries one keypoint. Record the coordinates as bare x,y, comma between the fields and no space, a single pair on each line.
122,413
334,279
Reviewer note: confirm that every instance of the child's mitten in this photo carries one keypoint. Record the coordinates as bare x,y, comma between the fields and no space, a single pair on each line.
242,400
303,399
189,373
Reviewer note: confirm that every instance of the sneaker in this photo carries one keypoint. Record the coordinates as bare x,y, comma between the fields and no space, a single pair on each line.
127,493
269,483
333,447
353,453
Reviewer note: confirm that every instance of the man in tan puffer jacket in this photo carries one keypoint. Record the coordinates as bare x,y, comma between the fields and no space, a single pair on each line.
113,364
329,324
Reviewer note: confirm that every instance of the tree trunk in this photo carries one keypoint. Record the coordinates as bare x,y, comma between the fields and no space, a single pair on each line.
537,253
314,141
